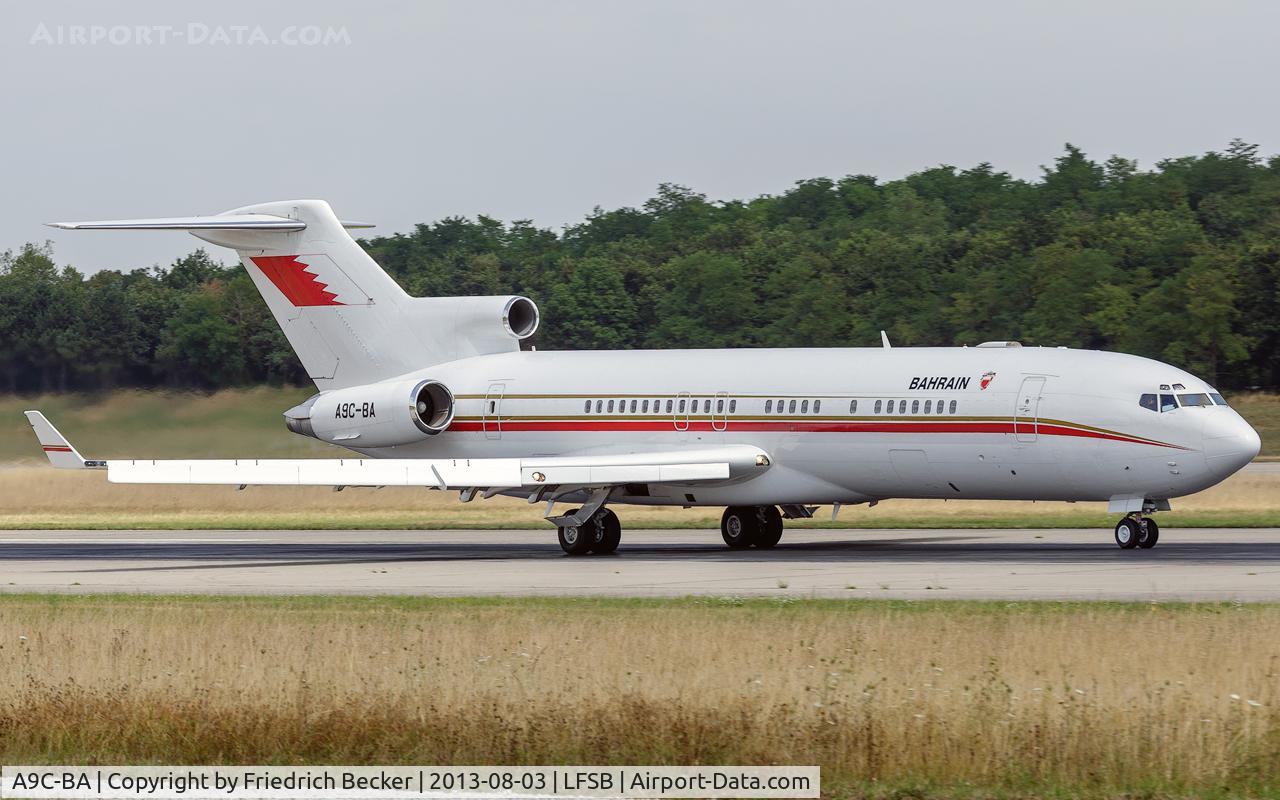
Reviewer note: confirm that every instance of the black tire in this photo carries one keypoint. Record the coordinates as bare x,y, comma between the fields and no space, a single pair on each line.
739,526
770,527
1127,533
611,534
577,541
1148,533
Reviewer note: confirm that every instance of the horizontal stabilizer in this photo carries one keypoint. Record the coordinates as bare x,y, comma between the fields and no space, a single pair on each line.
216,222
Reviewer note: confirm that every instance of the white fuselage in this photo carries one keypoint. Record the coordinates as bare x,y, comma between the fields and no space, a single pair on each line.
854,424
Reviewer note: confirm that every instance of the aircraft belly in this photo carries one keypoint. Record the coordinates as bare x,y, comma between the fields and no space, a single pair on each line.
818,468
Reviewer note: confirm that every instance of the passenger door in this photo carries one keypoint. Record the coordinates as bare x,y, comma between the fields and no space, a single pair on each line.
720,412
680,414
1026,411
491,413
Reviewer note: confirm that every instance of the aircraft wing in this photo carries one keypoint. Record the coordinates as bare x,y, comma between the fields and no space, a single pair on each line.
534,473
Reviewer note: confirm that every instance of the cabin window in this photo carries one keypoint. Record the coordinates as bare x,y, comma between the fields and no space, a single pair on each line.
928,406
791,407
915,406
682,406
902,406
610,406
817,406
706,406
720,405
599,406
1194,399
587,407
1218,399
940,405
877,407
644,407
634,403
853,406
733,406
953,406
768,406
1148,401
804,407
782,405
1167,402
669,406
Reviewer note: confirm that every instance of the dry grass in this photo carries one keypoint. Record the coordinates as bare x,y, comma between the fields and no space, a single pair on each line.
1090,698
135,424
41,497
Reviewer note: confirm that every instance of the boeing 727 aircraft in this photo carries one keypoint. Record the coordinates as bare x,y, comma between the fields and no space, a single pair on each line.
437,392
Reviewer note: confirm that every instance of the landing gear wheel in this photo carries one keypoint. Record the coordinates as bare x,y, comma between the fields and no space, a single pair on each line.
770,526
739,527
1127,531
610,532
1148,533
576,540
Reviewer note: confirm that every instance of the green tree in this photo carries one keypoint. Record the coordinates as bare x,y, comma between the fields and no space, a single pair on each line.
200,345
706,303
590,308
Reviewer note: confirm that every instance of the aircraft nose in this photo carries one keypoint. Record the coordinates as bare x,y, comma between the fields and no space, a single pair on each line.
1229,444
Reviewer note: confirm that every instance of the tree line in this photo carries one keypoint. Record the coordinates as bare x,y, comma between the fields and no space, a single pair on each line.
1180,262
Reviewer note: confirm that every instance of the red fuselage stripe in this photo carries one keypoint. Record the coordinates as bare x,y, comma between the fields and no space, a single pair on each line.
805,427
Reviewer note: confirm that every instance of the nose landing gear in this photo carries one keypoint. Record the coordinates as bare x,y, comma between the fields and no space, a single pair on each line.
1137,531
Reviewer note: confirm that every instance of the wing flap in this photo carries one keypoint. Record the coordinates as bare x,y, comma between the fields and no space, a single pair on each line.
593,470
487,473
439,473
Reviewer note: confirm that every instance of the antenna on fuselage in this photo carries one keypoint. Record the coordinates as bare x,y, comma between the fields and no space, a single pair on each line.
884,339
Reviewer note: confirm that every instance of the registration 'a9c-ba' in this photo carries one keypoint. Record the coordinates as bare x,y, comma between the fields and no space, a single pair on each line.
438,392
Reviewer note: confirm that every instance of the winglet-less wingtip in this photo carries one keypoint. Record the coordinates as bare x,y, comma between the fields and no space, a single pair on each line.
60,452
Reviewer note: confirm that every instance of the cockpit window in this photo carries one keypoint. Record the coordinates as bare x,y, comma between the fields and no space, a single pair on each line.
1194,399
1148,401
1167,402
1218,400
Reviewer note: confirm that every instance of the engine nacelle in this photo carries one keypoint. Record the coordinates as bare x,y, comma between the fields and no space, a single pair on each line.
511,316
375,415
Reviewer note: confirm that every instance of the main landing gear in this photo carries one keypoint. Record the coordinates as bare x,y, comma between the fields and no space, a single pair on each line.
600,534
747,526
1137,531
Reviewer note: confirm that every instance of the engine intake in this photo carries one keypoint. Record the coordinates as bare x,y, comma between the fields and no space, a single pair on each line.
432,407
520,317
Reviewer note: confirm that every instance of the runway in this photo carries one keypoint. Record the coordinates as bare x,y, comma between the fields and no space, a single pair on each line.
1077,564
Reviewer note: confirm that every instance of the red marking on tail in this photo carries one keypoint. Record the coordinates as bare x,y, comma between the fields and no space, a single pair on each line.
56,448
292,278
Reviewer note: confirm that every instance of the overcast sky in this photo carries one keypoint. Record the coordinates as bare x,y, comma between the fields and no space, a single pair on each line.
543,110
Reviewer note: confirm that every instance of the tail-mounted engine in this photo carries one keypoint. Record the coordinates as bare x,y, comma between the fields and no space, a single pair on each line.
376,415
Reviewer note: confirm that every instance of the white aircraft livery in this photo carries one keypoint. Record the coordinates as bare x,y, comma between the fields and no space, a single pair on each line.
437,392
